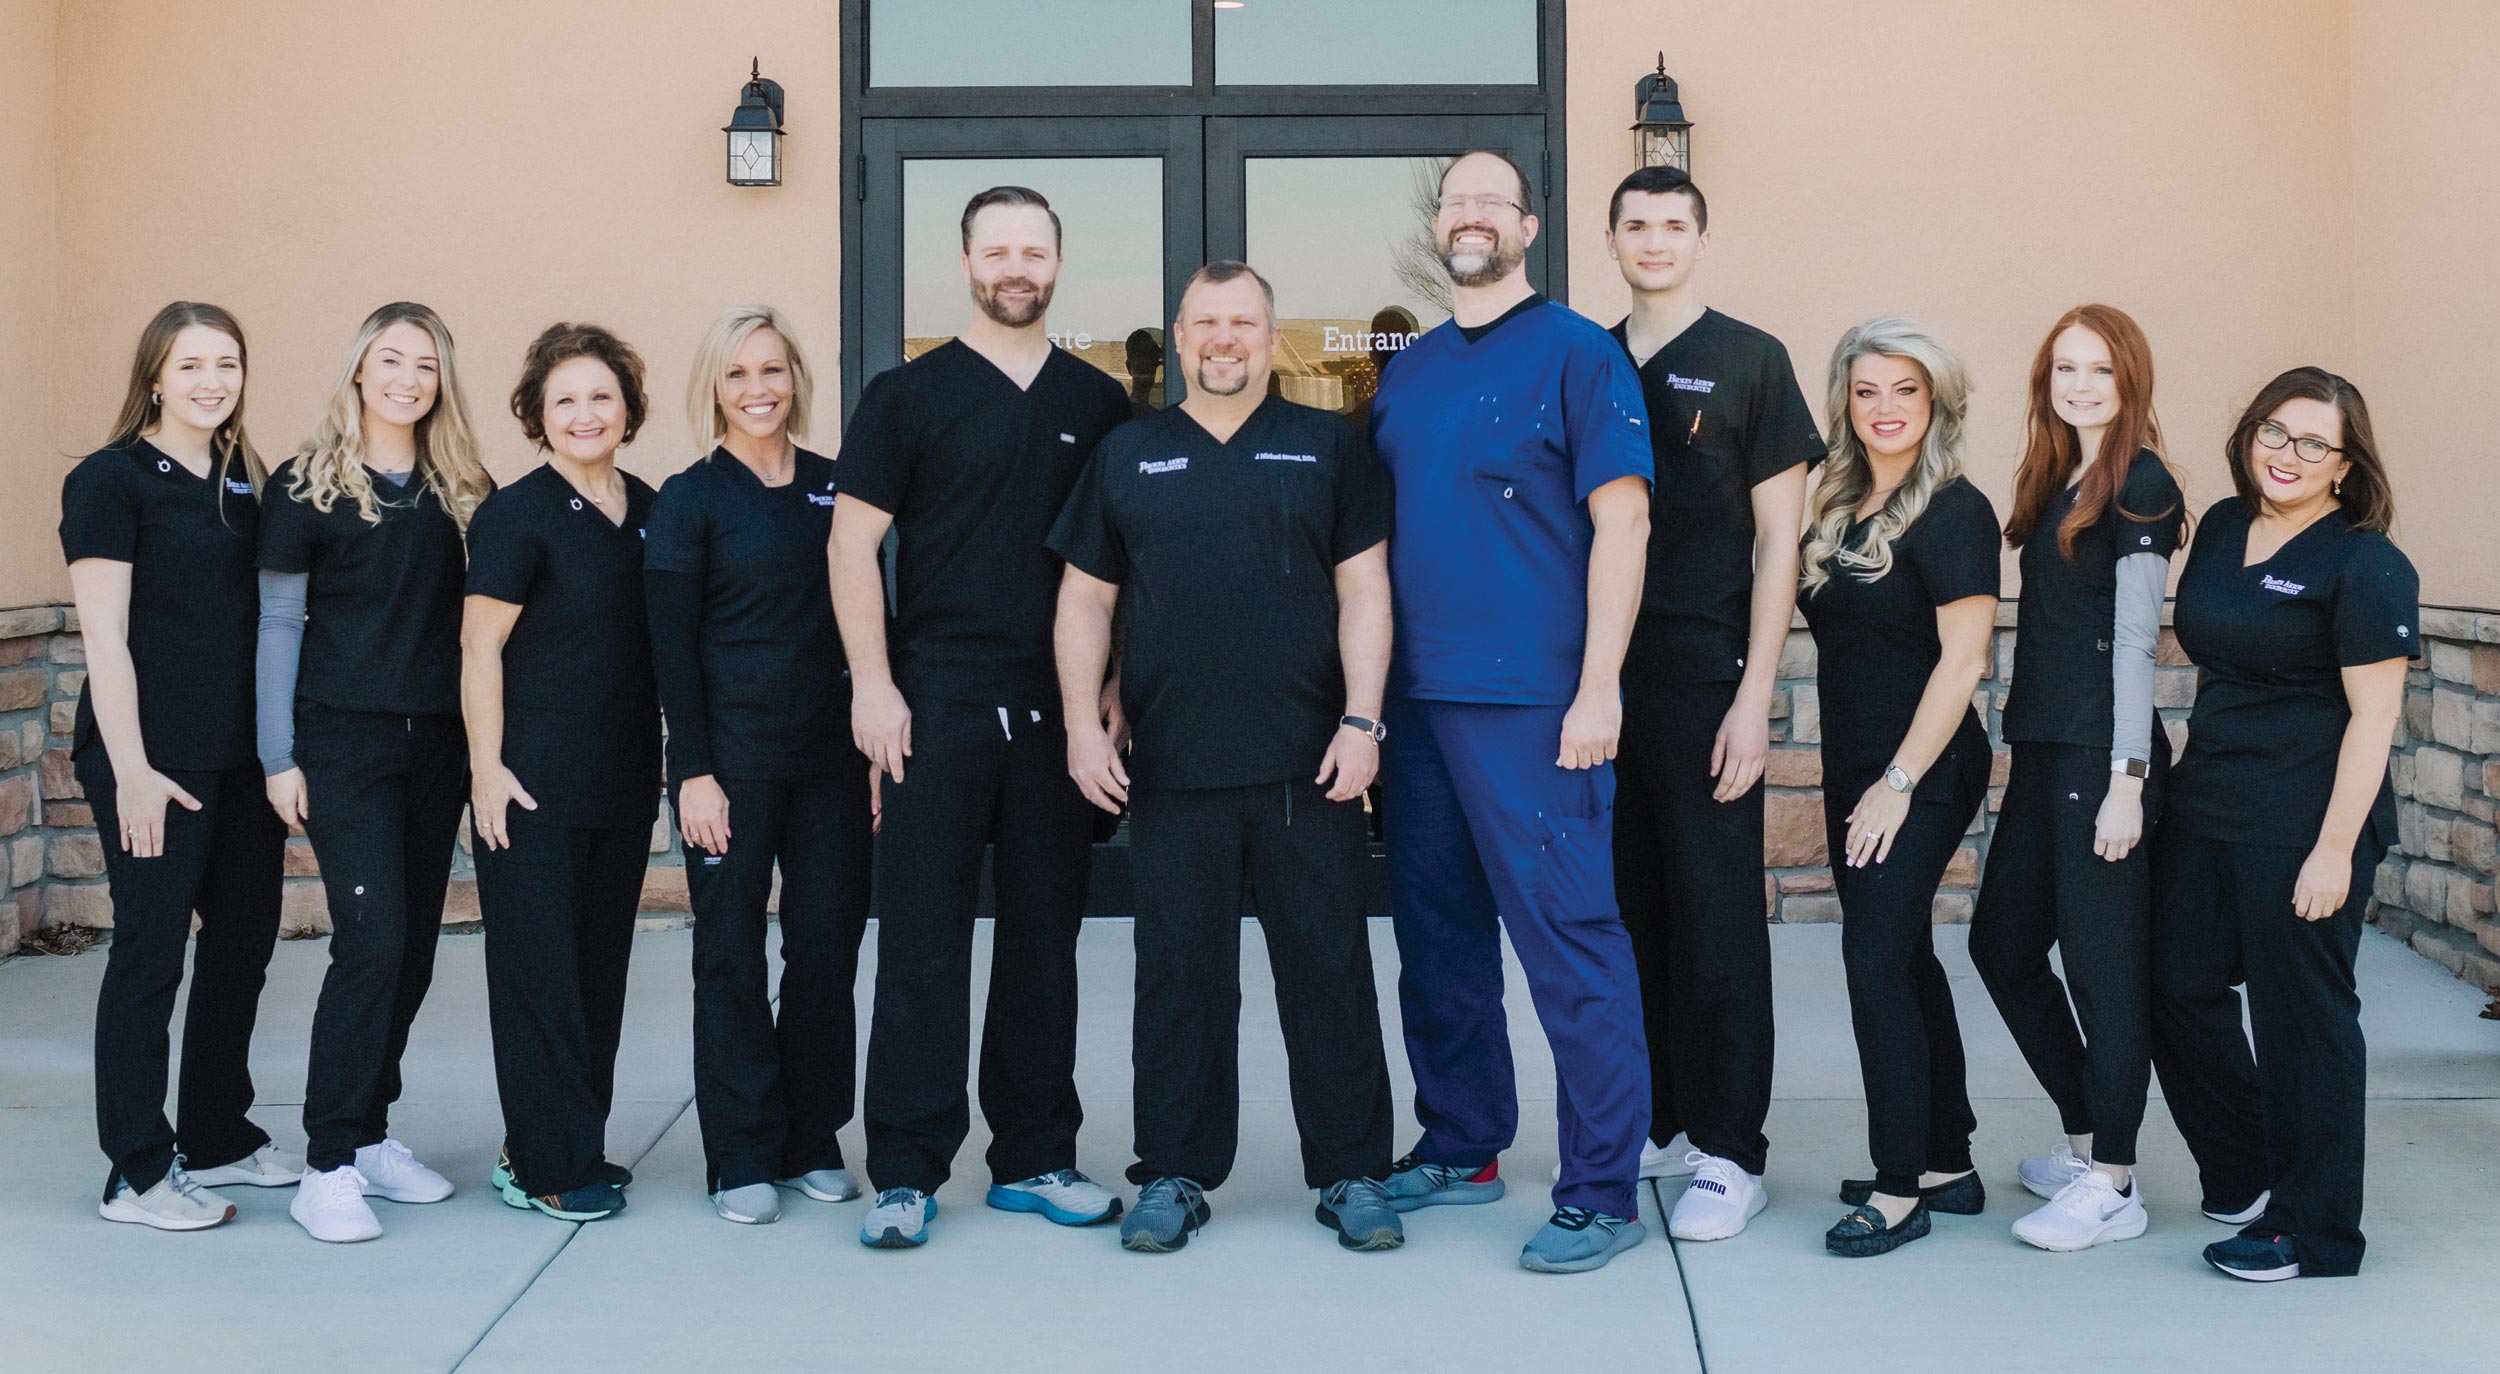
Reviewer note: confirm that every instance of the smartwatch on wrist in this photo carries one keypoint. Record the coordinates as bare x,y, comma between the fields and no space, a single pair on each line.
2134,768
1373,728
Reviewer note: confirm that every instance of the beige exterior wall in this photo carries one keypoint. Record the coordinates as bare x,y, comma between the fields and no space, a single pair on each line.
30,564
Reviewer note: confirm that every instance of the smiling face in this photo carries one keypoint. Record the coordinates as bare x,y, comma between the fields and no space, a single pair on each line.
201,383
1657,241
1226,340
1482,230
2281,476
585,410
2083,379
756,388
1012,262
1889,405
400,376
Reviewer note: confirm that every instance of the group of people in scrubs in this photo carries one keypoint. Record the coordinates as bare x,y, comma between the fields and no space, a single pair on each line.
1535,611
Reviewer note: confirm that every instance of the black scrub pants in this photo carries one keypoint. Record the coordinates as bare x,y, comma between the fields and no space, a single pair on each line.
771,1092
559,904
1918,1113
2044,886
224,862
977,775
1688,875
1302,856
383,796
2291,1118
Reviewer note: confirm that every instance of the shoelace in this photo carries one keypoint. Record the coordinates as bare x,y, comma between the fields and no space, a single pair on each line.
393,1156
2084,1197
339,1186
1581,1219
179,1176
1712,1173
1179,1191
898,1197
1357,1192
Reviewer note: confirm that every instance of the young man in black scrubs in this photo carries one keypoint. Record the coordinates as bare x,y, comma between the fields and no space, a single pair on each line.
1252,536
1731,436
967,453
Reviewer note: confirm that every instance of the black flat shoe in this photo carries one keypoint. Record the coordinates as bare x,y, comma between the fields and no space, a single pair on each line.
1962,1197
1863,1235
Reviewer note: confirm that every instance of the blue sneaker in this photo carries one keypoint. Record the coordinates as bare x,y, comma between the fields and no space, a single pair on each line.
1576,1240
1065,1196
1360,1212
1167,1211
590,1202
1413,1183
616,1176
2258,1256
899,1221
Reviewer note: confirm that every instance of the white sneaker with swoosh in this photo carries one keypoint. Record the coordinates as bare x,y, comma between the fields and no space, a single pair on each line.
2085,1213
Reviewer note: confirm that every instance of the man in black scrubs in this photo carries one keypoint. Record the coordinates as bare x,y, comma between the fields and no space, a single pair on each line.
1731,436
1251,534
967,454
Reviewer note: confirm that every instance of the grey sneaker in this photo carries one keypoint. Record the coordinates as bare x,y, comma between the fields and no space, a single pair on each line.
266,1167
1413,1183
899,1221
1576,1240
1359,1211
824,1185
1065,1196
175,1203
1167,1210
749,1204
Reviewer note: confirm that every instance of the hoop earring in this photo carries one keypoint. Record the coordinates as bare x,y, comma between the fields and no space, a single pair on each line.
156,398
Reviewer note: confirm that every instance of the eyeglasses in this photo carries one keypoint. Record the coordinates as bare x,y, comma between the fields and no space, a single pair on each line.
1480,201
2274,436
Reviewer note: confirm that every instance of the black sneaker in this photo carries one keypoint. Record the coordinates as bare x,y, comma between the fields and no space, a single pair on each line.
1962,1197
1863,1235
616,1176
1358,1210
2258,1256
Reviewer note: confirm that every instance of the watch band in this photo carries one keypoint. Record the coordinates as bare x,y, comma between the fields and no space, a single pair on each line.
1373,728
2134,768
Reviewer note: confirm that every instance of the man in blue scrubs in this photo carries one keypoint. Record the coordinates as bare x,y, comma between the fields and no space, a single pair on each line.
1516,437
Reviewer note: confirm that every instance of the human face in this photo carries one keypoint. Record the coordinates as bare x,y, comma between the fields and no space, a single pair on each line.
2287,482
400,376
1655,242
201,382
1889,405
585,414
1012,263
2083,380
1226,340
755,389
1481,231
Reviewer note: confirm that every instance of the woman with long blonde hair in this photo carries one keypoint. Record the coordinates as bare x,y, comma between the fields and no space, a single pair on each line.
1900,586
158,527
359,729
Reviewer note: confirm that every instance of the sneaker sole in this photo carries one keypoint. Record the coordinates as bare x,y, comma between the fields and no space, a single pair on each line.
796,1186
1760,1201
742,1218
375,1234
1625,1239
513,1197
1013,1200
227,1178
1382,1239
2241,1218
1456,1195
893,1239
2289,1271
2117,1228
1148,1243
140,1216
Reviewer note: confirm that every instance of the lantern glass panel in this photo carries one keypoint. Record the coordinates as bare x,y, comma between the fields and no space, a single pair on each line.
751,156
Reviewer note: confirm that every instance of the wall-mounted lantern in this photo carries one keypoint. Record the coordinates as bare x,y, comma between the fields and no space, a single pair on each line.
754,131
1661,135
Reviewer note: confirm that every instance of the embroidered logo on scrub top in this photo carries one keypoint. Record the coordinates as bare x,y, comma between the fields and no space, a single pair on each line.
1284,457
1067,438
2276,584
2146,541
825,500
238,488
1153,466
1703,385
2403,632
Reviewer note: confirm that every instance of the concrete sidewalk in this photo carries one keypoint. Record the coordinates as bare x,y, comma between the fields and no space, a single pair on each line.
473,1285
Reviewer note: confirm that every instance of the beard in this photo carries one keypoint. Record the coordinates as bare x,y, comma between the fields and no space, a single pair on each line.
1239,384
1012,316
1471,268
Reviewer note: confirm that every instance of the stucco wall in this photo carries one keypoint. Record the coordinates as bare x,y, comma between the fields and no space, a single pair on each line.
30,565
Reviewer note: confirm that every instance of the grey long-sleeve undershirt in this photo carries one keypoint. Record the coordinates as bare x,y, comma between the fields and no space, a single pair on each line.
277,655
2143,578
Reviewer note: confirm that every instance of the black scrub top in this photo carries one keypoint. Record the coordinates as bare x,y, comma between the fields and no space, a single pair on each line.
1228,553
581,710
194,605
2069,612
382,611
1725,416
2271,643
974,470
1877,645
775,692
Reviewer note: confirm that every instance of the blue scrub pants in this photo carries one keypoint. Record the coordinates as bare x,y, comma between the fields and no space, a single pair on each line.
1485,832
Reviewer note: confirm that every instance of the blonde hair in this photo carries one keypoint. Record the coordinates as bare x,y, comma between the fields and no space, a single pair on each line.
141,410
711,358
331,464
1848,476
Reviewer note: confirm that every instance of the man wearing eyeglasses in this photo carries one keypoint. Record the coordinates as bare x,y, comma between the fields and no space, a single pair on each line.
1518,444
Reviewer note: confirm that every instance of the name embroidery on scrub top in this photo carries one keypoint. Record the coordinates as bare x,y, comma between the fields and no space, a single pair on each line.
1284,457
1152,467
238,488
2276,584
826,499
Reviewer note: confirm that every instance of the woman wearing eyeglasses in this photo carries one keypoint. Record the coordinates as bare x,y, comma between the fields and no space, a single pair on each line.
2302,616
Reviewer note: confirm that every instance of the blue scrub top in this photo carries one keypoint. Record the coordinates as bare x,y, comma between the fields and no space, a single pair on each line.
1494,446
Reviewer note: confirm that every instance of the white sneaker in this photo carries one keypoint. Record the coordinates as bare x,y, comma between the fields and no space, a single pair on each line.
2253,1211
176,1203
1718,1202
2084,1213
1658,1161
389,1171
2045,1175
330,1206
266,1167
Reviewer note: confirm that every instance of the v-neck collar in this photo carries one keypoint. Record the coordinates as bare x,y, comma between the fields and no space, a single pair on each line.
167,465
2248,530
566,492
1050,359
1238,430
722,454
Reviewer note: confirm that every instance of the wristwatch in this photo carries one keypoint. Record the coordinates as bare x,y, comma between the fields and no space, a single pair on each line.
1373,728
1898,778
2134,768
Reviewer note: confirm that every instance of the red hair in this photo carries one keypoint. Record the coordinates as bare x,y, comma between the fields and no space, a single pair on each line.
2051,449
